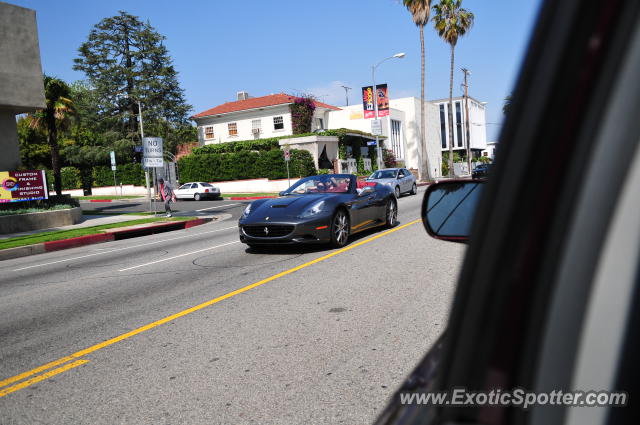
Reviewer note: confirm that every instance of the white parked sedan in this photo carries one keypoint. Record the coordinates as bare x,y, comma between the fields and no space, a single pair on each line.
197,191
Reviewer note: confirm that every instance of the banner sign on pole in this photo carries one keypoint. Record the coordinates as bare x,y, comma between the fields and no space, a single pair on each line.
23,186
287,155
113,161
367,102
383,100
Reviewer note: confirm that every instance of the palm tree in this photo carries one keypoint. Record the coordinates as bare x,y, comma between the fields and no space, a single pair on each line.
507,104
54,118
420,10
451,21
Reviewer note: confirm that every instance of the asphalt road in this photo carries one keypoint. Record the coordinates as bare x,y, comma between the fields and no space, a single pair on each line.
117,333
194,208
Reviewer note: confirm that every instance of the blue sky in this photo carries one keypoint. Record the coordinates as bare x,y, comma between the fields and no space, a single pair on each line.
263,47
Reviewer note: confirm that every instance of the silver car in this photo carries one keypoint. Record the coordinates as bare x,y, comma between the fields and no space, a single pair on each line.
400,180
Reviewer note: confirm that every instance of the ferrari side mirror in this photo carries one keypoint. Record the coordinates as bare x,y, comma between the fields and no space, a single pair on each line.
448,209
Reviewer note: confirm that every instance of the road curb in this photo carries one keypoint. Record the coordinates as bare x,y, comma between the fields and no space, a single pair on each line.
115,235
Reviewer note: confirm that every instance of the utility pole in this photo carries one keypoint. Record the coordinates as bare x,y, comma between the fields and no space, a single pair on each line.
466,120
346,93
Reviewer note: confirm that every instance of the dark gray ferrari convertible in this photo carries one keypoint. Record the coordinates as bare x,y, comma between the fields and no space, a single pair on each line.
319,209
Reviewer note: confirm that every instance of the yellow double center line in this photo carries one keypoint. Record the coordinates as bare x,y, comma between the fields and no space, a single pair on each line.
82,353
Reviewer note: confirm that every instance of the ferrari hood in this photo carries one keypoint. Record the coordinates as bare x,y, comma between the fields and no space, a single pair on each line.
285,206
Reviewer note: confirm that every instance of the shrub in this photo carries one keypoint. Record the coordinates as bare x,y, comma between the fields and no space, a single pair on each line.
245,165
302,114
389,158
125,174
240,145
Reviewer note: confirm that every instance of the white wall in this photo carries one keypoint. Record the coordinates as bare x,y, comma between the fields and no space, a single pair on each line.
407,111
477,123
411,131
243,121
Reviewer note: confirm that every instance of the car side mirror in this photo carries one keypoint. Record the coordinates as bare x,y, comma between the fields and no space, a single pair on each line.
448,209
366,190
281,193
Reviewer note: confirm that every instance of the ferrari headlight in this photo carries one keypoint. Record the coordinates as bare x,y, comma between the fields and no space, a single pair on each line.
313,209
247,211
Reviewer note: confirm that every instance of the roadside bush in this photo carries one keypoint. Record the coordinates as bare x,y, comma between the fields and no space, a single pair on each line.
389,158
240,145
70,178
125,174
245,165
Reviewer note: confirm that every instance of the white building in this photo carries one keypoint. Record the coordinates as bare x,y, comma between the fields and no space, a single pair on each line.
253,118
477,124
269,116
490,151
401,129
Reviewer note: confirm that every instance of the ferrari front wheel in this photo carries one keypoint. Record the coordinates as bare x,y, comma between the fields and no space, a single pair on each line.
391,213
339,229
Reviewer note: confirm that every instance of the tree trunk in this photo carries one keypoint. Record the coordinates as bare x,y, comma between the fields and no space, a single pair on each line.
133,127
55,155
451,141
423,151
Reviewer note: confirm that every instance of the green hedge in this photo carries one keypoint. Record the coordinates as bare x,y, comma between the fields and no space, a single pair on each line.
245,165
240,145
125,174
98,176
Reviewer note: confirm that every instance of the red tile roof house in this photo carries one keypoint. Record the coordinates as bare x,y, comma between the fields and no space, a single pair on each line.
253,118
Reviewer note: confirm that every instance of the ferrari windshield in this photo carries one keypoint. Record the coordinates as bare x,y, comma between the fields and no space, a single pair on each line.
384,174
320,184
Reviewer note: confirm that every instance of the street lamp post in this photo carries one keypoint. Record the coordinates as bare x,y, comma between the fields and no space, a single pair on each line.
375,102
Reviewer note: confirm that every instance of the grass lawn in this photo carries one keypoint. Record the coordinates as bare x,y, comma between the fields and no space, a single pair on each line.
103,197
73,233
228,195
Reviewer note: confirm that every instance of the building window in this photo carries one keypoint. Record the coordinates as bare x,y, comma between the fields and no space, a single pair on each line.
278,123
320,124
256,128
443,126
396,140
208,132
233,129
459,123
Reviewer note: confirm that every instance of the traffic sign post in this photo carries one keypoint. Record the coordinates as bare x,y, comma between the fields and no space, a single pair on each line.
153,154
376,127
287,158
113,169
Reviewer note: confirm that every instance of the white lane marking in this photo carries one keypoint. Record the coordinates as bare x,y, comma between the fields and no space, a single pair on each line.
219,206
120,249
178,256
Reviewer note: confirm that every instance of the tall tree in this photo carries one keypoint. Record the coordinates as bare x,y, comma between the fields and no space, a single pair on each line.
451,22
420,10
128,65
507,104
34,148
54,119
